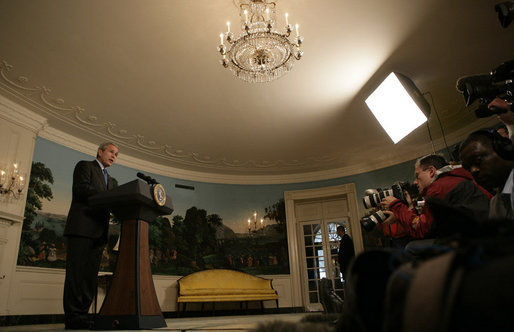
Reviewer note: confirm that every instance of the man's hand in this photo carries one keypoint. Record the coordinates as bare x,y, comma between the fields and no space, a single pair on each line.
499,104
391,218
386,202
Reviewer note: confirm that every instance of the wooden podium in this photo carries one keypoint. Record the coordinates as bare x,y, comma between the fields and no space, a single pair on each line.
131,302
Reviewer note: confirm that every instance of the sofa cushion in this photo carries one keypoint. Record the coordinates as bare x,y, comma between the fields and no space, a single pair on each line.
224,285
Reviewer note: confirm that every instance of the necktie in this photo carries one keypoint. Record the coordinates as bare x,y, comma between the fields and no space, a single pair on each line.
106,178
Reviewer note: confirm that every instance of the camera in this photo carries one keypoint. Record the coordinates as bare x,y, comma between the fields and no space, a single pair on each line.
369,222
374,197
486,87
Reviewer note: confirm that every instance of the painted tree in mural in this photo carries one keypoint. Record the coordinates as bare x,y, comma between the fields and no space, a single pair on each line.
277,212
160,233
195,236
39,188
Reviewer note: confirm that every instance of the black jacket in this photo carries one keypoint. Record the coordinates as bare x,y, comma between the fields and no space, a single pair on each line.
84,220
346,253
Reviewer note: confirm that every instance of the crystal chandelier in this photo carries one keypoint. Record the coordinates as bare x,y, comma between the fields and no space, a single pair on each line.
259,54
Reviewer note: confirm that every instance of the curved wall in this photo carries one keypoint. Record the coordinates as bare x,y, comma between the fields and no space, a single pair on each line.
37,290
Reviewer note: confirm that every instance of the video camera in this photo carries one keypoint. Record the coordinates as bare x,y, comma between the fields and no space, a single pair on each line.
498,83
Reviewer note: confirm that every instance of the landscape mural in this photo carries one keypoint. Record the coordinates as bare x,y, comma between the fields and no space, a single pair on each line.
208,228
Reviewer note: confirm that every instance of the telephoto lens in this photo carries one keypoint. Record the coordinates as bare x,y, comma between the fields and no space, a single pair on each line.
369,222
373,200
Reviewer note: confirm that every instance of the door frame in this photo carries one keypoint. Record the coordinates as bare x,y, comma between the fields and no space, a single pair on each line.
295,259
330,268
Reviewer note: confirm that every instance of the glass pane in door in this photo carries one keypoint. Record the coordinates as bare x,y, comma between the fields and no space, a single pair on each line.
315,260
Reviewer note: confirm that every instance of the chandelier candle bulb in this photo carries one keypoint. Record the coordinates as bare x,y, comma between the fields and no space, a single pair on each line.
228,26
246,16
297,28
267,14
287,20
21,183
221,38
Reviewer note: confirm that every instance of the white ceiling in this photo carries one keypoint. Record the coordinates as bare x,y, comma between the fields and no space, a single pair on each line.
146,74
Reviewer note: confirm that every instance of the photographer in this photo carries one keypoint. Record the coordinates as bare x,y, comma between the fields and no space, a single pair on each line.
392,228
453,186
490,159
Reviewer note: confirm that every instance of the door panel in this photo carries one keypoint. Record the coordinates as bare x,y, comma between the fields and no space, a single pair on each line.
320,246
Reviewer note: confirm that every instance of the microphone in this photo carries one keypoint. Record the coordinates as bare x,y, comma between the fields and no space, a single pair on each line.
148,179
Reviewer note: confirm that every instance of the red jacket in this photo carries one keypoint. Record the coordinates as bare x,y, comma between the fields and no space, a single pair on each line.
395,230
457,188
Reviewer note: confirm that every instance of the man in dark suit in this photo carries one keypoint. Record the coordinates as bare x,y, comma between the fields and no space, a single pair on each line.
346,251
86,232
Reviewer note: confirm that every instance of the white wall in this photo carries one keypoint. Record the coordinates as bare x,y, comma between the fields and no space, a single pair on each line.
18,131
30,290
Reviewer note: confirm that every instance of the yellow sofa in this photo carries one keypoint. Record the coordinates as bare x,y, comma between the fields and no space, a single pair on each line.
220,285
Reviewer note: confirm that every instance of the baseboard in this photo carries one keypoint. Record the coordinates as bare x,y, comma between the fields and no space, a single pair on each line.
59,319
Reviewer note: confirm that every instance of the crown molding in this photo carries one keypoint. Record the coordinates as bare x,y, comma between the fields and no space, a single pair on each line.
42,99
83,146
233,171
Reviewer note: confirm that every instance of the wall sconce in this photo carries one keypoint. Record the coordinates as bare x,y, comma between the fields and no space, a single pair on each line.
255,223
11,182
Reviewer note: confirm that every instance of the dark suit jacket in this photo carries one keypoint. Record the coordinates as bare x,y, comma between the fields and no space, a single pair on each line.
346,253
84,220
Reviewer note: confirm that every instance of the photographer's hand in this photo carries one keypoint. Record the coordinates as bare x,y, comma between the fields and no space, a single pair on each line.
507,116
391,218
386,202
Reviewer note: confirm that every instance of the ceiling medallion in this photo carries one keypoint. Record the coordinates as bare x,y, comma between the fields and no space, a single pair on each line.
260,53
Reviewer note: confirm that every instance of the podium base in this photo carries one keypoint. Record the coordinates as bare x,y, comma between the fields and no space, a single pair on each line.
131,322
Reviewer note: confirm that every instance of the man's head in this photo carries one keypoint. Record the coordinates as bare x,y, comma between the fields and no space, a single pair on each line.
479,155
107,154
340,231
425,171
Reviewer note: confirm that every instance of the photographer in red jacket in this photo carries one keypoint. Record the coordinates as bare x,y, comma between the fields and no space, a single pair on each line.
453,186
